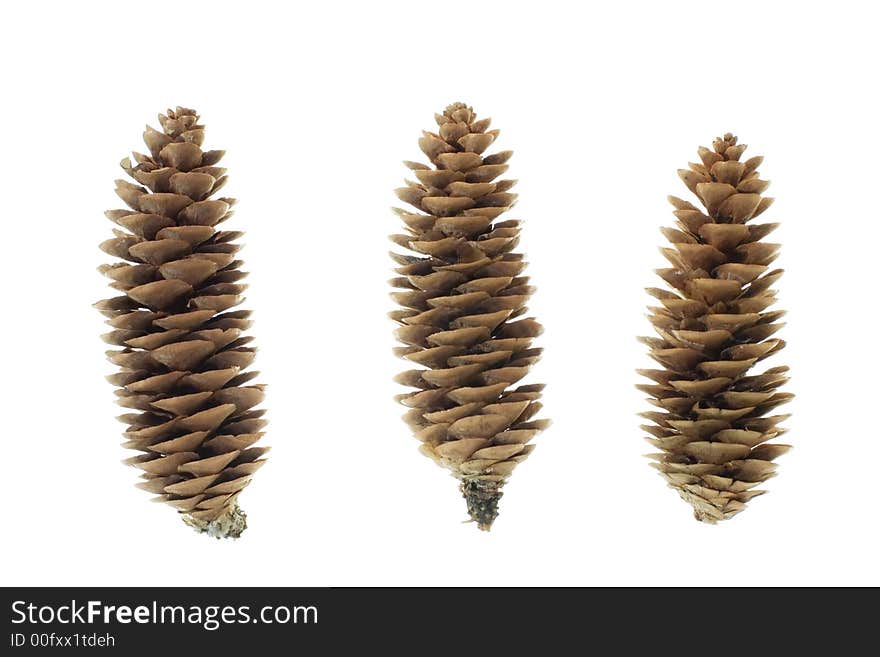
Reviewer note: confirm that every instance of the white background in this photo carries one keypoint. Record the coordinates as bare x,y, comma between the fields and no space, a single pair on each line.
316,105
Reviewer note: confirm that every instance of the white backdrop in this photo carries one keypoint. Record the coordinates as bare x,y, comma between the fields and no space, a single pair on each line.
316,105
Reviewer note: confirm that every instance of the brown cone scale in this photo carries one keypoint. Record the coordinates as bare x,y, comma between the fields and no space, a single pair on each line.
716,406
462,319
180,344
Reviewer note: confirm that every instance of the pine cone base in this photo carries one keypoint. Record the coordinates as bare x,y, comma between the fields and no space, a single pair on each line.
482,498
230,524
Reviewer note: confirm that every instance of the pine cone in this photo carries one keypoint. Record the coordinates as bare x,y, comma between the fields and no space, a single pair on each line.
463,298
183,350
712,426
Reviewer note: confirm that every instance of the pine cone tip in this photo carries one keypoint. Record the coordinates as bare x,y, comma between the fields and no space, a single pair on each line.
720,144
456,113
230,524
482,499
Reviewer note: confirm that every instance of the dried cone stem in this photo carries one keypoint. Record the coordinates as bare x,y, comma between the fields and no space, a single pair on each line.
462,299
183,350
713,421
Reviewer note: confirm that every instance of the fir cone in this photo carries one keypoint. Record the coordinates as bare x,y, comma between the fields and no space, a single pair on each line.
713,423
463,299
184,353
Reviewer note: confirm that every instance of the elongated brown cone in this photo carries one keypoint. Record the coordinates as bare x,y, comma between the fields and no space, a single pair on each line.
184,352
463,298
713,423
